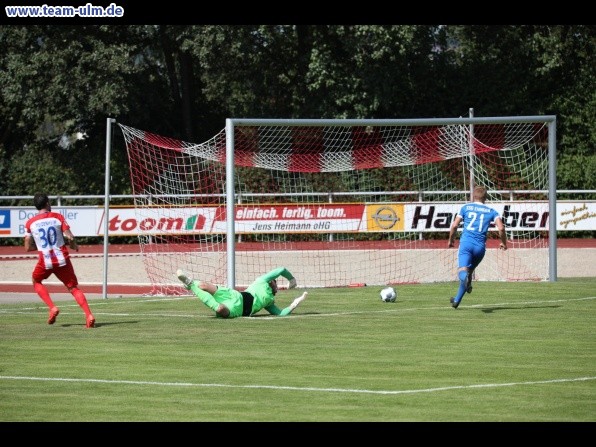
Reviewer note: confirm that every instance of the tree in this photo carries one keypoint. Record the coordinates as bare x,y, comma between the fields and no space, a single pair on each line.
58,84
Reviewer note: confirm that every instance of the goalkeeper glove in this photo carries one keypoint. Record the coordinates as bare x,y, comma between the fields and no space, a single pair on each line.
298,300
292,283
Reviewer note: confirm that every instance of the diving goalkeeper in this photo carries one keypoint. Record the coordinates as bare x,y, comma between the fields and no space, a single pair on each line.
230,303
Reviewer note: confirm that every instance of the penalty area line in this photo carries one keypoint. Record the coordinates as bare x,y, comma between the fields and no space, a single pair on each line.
306,389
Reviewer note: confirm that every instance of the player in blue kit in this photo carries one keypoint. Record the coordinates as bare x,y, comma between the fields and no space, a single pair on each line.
476,217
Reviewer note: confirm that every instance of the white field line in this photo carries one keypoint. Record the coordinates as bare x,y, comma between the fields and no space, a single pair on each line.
294,388
391,308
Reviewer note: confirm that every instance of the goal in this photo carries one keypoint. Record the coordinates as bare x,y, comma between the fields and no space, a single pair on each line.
342,202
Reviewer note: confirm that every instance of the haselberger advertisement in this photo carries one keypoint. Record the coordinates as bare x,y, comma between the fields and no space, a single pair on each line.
304,218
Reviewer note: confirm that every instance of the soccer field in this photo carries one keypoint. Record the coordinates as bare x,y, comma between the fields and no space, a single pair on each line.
511,352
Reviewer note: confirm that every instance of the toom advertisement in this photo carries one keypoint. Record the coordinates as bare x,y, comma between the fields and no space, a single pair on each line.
306,218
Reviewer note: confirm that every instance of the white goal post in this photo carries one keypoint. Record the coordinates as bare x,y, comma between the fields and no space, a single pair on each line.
342,202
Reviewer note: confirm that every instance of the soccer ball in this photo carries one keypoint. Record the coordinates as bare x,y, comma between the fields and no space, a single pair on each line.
388,295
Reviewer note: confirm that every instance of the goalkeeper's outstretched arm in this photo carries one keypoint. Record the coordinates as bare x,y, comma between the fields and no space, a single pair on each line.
274,310
276,273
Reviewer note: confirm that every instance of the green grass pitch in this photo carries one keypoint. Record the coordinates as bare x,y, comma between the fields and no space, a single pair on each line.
512,352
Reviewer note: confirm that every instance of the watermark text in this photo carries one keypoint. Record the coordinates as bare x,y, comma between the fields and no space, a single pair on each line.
88,10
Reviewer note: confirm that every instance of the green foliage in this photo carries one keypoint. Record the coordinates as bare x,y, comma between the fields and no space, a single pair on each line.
577,171
38,170
59,84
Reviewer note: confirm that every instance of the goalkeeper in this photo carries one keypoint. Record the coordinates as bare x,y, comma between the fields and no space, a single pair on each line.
230,303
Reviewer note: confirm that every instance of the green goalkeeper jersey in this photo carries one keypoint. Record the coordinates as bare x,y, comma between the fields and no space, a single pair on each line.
262,293
237,304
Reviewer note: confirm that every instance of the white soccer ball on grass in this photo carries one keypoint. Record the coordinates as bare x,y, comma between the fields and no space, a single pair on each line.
388,295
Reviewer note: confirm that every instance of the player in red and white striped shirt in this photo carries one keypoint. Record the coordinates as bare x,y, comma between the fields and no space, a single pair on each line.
52,236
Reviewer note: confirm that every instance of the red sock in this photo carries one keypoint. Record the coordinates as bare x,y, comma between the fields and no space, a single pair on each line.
43,293
79,296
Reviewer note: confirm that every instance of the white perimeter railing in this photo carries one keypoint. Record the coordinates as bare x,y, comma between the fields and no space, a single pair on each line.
587,194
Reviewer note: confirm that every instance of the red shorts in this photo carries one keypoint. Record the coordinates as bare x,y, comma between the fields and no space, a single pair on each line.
65,274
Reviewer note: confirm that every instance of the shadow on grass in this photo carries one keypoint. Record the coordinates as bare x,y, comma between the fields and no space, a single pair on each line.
287,316
97,324
492,309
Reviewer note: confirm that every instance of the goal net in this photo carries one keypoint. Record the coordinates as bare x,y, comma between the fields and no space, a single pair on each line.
340,202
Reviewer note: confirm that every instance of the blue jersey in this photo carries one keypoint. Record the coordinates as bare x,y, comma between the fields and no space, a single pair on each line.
477,217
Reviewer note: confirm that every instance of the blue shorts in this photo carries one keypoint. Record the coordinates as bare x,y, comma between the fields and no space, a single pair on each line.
470,255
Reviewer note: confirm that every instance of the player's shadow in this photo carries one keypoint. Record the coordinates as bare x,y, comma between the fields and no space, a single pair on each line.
262,315
99,324
490,310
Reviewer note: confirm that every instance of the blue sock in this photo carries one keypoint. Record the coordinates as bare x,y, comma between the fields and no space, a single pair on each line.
462,275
